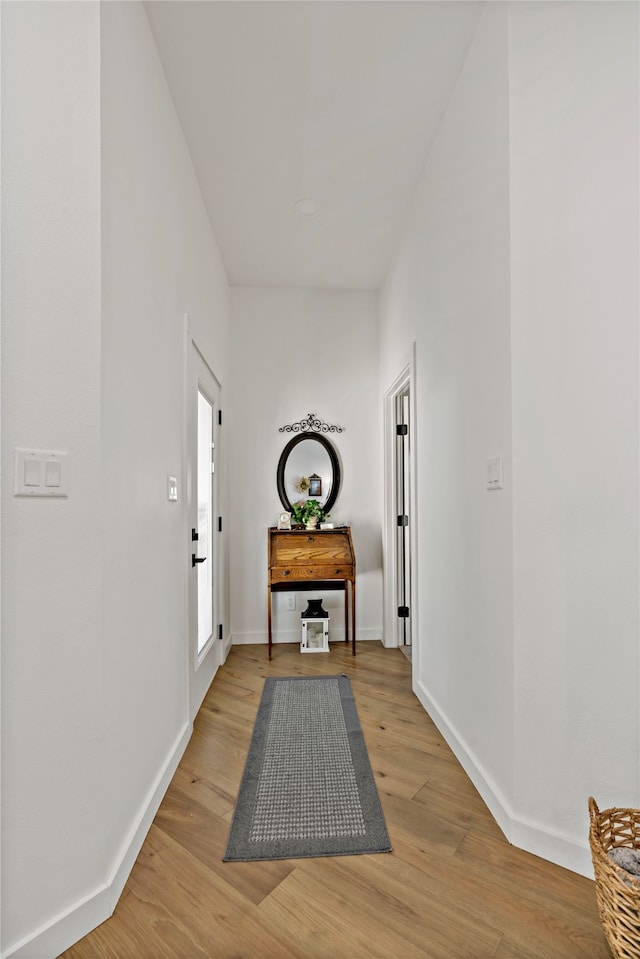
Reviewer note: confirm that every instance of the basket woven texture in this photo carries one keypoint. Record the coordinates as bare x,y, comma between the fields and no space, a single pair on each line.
617,892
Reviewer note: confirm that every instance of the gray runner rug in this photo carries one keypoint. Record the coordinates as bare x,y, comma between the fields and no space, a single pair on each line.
307,788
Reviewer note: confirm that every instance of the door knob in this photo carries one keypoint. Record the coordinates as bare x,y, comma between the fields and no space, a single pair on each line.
195,559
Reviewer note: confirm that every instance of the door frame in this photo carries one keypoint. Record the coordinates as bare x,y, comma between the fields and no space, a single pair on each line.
402,506
404,382
200,668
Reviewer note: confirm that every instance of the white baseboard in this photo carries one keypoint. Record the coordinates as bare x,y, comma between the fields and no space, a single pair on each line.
67,928
260,637
563,850
227,643
257,638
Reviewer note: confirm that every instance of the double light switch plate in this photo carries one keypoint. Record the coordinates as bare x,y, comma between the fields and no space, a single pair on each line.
41,473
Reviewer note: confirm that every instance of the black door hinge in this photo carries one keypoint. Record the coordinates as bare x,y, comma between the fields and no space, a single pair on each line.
219,524
403,612
219,417
403,520
219,630
401,429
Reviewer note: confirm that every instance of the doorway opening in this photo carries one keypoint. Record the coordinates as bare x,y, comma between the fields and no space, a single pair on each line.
402,499
400,569
204,525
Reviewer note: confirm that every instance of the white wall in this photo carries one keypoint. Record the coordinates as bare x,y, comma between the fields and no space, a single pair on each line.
109,248
518,280
296,352
159,262
574,226
449,292
53,737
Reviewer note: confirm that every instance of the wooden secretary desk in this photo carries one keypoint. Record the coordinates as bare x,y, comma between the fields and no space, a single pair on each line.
313,560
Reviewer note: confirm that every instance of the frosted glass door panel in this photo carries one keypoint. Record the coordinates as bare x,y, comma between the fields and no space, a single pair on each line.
205,521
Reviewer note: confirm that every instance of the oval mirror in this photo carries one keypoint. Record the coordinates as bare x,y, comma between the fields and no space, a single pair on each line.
314,457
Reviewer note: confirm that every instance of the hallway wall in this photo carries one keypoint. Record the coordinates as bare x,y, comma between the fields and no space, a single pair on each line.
159,262
518,281
449,293
110,247
53,736
575,229
295,352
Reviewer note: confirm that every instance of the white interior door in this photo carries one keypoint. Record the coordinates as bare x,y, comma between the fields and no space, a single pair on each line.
204,525
400,522
403,513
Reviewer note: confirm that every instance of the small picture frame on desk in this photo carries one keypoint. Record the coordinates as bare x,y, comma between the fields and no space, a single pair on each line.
284,520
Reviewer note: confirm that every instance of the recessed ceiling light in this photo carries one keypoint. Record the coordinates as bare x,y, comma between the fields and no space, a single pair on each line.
306,207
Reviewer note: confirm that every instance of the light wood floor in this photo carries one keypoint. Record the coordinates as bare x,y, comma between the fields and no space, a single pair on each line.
451,889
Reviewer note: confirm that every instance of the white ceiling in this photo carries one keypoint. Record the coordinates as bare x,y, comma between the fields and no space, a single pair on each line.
338,101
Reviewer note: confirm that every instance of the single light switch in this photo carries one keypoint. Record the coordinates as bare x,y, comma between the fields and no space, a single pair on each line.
31,471
53,473
172,489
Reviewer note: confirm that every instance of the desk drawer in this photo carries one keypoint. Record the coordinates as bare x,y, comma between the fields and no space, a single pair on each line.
281,575
310,550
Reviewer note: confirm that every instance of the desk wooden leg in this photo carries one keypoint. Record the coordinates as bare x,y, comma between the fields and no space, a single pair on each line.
353,616
269,617
346,611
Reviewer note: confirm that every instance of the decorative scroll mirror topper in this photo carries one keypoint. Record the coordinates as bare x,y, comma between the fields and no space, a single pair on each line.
311,424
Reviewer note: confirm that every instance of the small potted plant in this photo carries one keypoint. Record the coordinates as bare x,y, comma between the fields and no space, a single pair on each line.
308,512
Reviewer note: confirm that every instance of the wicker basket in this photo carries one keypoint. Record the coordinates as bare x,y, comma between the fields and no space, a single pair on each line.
617,892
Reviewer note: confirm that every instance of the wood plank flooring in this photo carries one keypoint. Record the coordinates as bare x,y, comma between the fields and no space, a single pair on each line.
452,888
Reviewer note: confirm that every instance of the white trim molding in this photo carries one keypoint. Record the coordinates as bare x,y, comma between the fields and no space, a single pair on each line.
260,638
559,848
98,905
